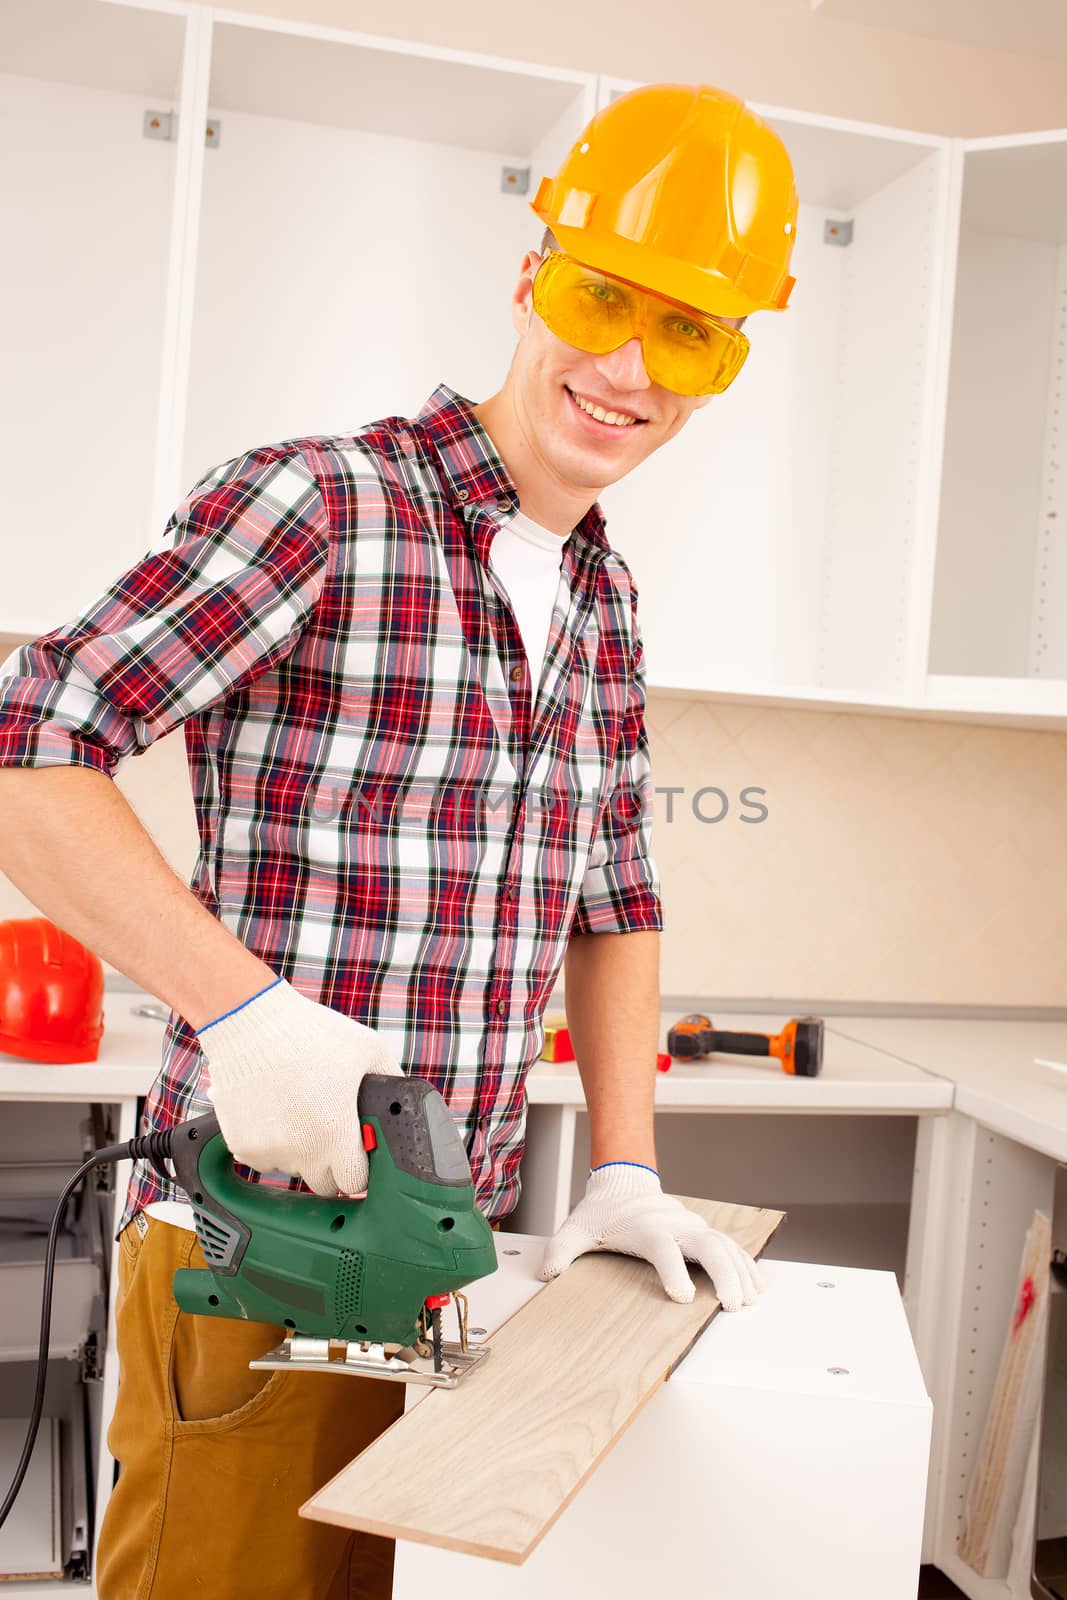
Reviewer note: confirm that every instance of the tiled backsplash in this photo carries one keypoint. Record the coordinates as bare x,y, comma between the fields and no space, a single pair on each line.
900,859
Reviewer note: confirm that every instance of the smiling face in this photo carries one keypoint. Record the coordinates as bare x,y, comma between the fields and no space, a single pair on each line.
556,388
557,452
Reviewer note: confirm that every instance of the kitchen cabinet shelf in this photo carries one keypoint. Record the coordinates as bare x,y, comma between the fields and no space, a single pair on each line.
368,83
393,161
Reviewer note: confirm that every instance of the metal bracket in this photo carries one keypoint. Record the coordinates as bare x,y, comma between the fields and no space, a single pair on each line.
164,125
837,232
90,1359
514,180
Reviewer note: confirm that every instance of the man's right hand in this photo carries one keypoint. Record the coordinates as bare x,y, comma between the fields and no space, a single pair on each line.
285,1077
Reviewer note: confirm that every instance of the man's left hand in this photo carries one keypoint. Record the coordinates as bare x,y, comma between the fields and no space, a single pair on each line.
625,1209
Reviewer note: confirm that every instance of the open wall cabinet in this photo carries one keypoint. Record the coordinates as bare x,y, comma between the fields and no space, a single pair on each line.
796,503
999,606
237,229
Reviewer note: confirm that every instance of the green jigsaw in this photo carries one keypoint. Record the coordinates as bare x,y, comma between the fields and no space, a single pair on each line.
359,1284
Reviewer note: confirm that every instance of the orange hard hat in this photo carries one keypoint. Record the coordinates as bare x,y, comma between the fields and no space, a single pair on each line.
683,190
51,993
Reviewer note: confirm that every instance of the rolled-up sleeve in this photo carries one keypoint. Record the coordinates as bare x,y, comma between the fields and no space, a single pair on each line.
223,598
620,890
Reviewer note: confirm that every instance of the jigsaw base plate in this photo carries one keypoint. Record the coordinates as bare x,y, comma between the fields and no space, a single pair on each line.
400,1364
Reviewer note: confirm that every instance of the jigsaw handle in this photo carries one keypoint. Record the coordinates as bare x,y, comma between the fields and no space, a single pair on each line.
187,1140
413,1118
417,1126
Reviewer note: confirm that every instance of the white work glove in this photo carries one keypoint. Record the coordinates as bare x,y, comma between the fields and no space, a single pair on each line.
625,1209
285,1076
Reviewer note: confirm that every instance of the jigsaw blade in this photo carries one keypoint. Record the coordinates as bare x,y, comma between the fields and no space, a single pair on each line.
435,1319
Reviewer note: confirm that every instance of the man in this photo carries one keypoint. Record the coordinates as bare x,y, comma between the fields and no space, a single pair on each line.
411,676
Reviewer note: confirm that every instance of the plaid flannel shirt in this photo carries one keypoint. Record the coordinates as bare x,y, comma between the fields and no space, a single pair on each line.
388,815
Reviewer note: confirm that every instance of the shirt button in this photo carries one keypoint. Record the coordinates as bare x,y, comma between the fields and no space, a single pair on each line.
463,494
503,505
501,1007
516,673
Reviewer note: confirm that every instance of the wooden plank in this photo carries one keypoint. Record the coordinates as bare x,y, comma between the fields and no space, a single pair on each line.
995,1489
488,1467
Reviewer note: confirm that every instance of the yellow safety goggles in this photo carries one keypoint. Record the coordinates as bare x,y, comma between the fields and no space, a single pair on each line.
685,350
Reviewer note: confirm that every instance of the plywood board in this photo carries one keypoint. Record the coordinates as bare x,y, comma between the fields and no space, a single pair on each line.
487,1468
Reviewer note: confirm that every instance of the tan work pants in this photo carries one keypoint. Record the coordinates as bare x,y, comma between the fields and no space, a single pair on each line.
215,1459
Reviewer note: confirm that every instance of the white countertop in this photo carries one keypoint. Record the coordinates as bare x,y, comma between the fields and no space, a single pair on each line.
889,1065
990,1064
129,1059
855,1076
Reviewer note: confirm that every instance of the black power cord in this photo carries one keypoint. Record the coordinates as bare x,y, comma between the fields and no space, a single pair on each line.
155,1147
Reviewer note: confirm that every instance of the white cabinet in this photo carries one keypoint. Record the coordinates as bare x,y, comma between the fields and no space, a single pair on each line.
774,540
335,225
50,1531
363,219
810,1399
837,1153
331,229
87,200
844,1181
50,1118
999,615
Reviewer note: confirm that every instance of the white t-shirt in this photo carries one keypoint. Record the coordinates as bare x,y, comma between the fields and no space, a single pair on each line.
526,559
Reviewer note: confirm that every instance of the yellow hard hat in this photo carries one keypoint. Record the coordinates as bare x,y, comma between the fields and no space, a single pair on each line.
680,188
